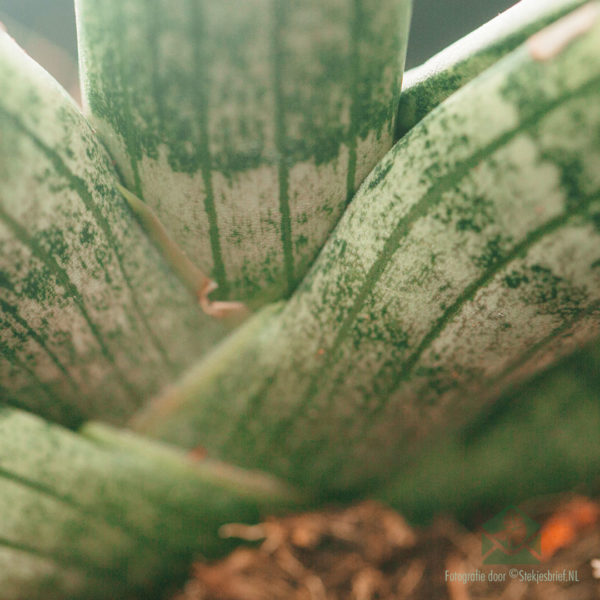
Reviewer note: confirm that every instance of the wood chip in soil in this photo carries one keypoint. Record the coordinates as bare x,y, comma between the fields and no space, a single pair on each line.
369,552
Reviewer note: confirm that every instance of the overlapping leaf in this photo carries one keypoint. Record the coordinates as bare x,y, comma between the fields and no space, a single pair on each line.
245,125
468,260
104,514
540,439
424,87
92,321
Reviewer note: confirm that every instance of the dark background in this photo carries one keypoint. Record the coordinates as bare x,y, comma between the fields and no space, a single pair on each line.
436,23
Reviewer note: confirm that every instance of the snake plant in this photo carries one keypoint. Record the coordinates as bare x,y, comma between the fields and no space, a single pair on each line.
251,240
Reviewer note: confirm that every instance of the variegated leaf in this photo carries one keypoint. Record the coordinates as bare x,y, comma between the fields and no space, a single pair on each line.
92,320
469,259
104,514
246,125
424,87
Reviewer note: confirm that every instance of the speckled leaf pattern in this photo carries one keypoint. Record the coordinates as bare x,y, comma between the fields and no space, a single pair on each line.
85,517
92,321
246,125
469,259
424,87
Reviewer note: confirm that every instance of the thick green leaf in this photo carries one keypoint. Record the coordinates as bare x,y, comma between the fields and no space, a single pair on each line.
469,259
91,318
245,124
541,439
424,87
109,515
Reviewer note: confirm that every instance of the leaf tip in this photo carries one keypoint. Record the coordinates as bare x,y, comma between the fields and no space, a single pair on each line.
552,40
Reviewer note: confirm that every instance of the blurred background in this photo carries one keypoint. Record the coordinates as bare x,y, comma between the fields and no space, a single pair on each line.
435,25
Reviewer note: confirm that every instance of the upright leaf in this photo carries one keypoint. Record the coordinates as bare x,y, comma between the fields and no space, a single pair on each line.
92,321
246,125
469,259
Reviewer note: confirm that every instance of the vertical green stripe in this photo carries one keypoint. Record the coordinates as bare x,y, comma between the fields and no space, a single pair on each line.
70,289
131,140
356,27
399,78
80,187
155,16
277,58
198,33
429,200
13,313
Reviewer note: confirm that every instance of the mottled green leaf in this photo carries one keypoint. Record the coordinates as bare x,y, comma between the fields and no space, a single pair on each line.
424,87
104,514
469,259
246,125
92,321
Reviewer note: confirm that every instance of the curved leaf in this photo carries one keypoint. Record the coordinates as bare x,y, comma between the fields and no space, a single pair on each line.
424,87
541,439
468,260
246,125
109,515
92,320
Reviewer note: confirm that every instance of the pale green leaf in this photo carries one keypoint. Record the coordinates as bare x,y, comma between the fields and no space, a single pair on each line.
108,515
469,259
246,125
92,320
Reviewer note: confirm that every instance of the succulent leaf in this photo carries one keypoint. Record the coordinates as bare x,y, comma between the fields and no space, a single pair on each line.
103,514
424,87
245,125
540,439
92,319
468,260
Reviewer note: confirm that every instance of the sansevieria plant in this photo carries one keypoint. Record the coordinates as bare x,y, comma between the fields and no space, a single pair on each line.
252,241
